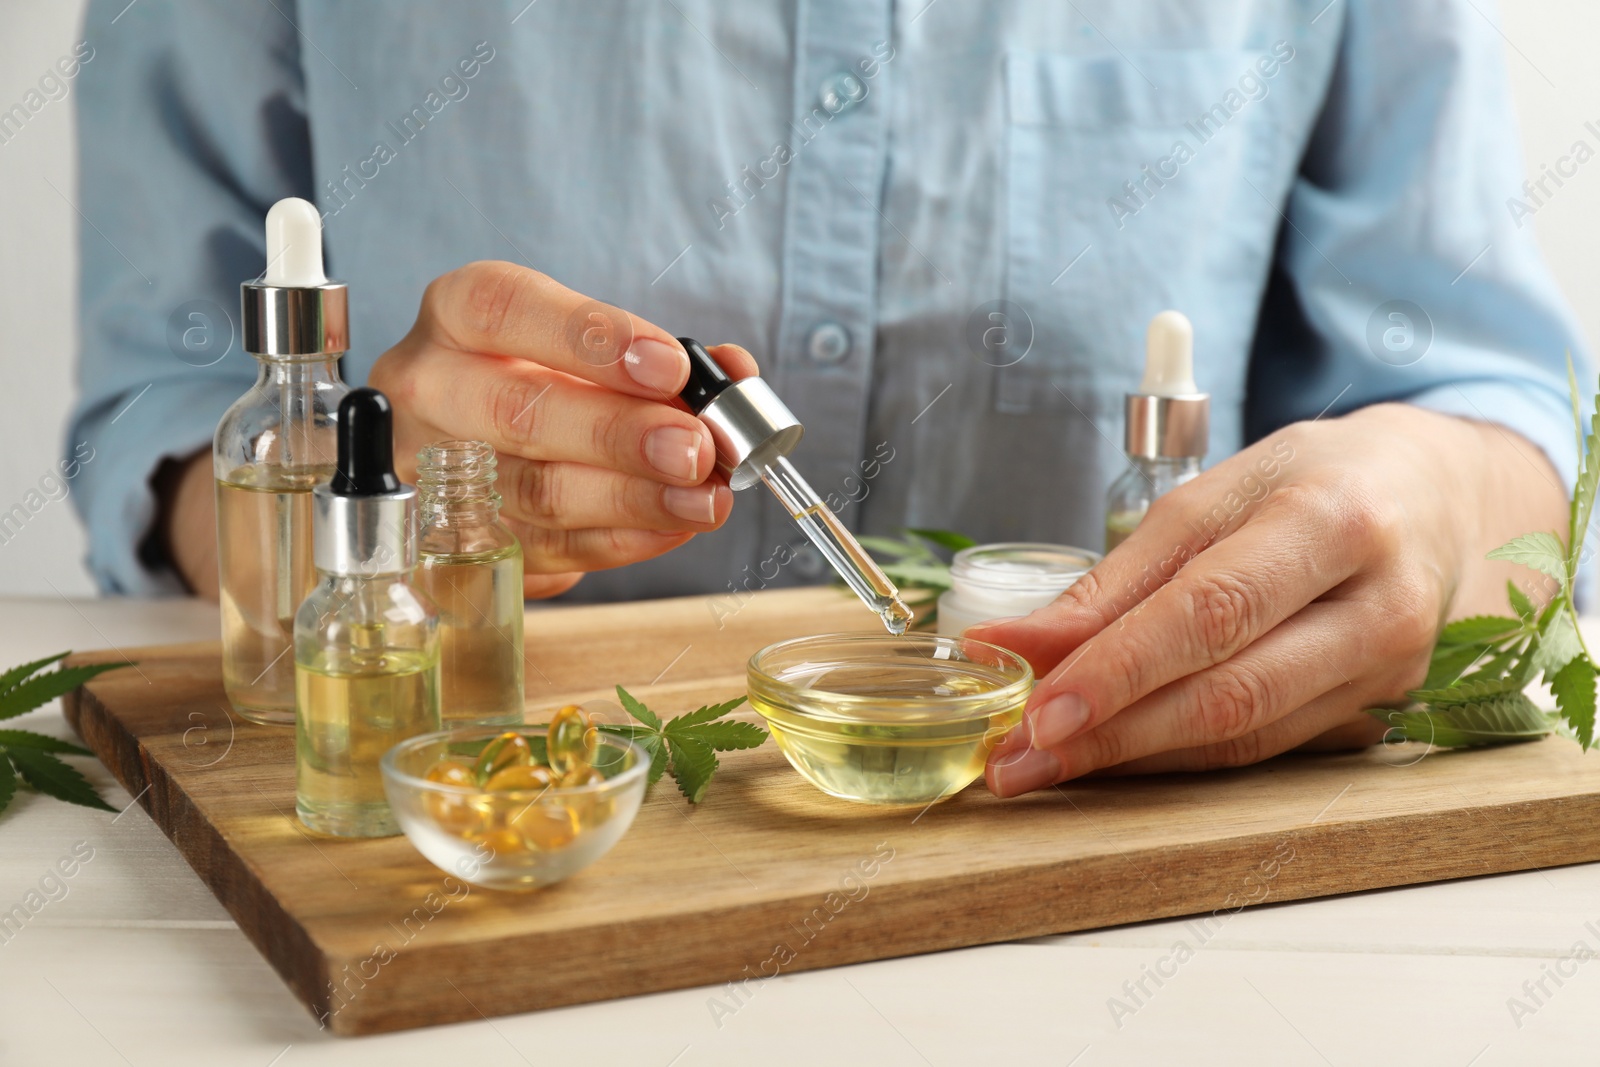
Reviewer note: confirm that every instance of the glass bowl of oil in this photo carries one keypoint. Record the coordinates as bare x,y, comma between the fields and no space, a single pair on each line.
880,719
512,838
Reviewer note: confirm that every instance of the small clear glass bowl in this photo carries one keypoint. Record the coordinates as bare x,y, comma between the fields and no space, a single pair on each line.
513,839
888,720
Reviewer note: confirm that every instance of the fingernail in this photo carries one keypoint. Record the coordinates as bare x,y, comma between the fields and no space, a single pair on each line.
1058,719
656,365
674,451
1030,769
698,504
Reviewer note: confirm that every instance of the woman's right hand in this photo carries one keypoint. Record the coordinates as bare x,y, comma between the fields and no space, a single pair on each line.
597,467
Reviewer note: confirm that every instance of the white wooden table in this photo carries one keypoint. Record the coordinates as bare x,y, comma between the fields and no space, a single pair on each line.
135,962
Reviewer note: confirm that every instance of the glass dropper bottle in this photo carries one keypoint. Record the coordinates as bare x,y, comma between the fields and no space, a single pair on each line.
754,432
470,566
271,447
1167,427
366,642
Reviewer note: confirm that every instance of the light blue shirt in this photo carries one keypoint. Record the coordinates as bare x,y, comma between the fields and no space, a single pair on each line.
941,227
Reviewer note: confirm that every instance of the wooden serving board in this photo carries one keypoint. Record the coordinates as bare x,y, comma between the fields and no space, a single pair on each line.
768,875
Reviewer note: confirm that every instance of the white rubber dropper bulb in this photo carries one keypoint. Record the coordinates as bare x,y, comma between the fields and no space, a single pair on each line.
294,245
1169,356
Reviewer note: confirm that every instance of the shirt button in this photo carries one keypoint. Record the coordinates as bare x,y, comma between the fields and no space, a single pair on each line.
841,92
808,562
828,344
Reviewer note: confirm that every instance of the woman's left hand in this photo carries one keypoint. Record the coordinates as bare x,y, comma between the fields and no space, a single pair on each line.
1265,604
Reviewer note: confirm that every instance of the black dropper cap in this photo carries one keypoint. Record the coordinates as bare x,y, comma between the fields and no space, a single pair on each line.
707,379
366,446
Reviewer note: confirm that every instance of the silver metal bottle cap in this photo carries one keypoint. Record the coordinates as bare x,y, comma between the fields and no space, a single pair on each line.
750,426
289,321
363,536
1171,427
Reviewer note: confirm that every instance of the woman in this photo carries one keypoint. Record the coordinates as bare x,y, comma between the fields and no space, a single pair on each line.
854,191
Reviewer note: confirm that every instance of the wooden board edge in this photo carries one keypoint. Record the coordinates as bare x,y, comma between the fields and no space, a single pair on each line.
144,653
1314,861
271,928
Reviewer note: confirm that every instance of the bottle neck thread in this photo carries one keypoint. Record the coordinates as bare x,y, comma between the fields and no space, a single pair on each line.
282,370
1172,465
456,480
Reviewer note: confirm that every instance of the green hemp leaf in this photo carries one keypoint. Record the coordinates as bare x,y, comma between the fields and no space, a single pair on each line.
1473,692
686,747
35,756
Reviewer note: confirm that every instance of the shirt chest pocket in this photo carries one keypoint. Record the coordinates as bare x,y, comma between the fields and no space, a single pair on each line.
1125,177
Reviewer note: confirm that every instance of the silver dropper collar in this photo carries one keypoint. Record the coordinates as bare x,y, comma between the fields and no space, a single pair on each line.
750,427
364,536
1167,427
288,322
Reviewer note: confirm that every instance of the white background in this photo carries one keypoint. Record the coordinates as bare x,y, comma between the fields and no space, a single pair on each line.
1553,73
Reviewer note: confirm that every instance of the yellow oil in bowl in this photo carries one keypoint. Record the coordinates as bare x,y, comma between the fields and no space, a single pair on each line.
888,720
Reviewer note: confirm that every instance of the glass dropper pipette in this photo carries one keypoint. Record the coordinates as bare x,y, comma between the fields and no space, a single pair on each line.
818,522
754,433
